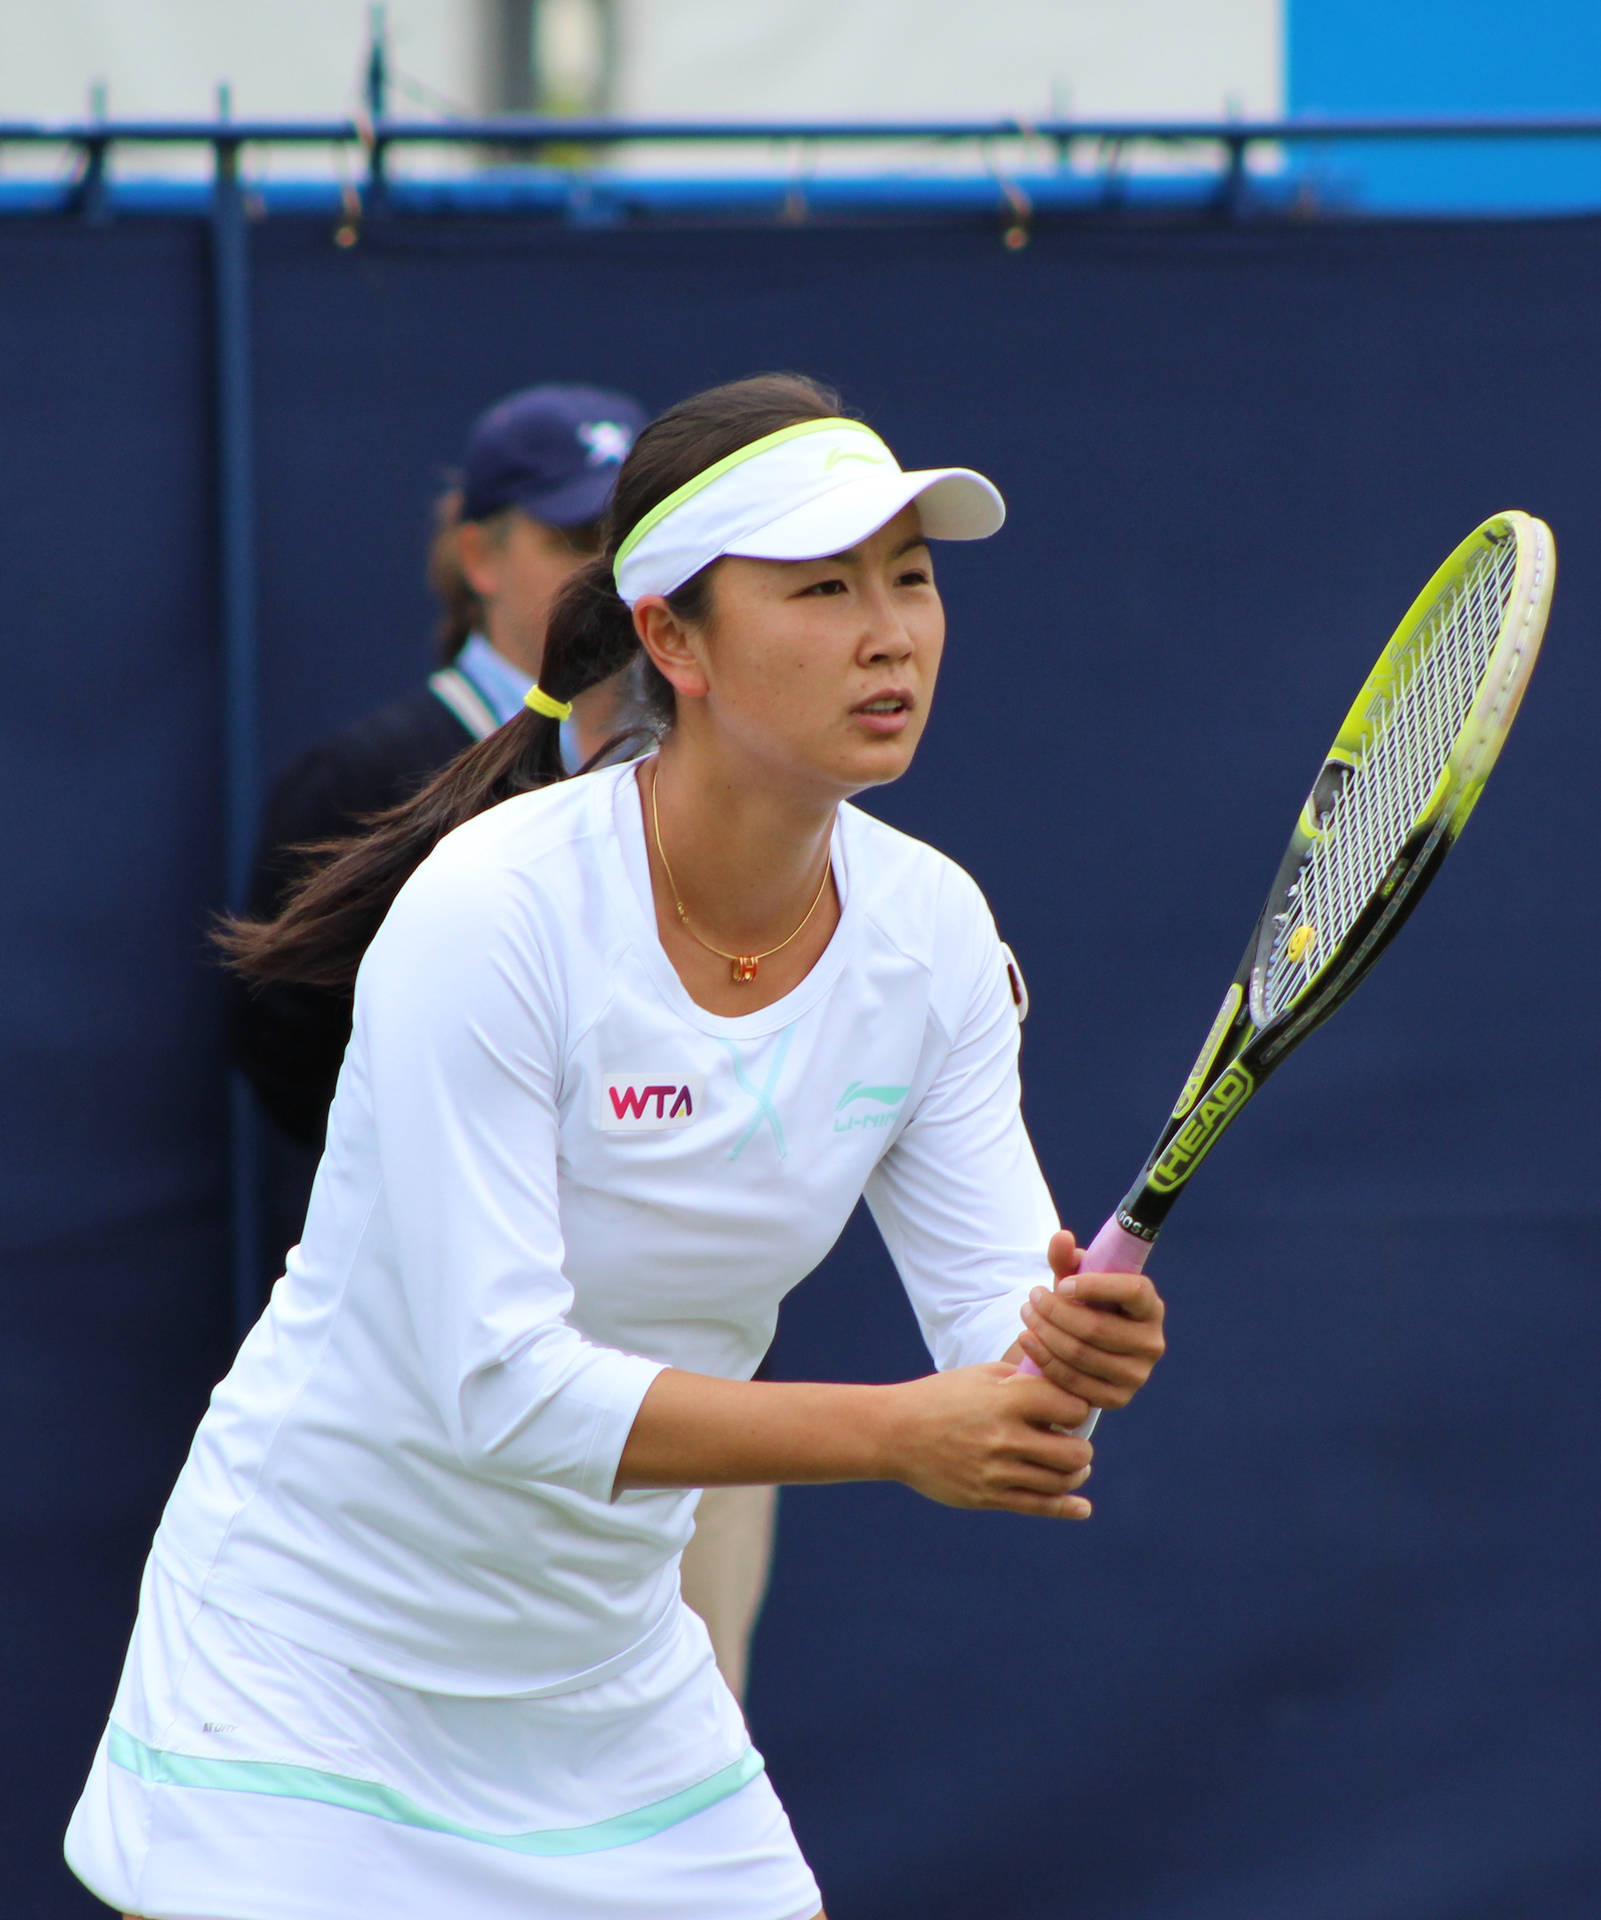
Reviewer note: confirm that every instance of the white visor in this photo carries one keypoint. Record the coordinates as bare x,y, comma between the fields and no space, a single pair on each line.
799,494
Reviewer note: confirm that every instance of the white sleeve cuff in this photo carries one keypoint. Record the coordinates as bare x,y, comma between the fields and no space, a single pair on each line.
631,1381
987,1333
523,1420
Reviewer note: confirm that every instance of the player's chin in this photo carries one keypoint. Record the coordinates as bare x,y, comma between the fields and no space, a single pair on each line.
875,759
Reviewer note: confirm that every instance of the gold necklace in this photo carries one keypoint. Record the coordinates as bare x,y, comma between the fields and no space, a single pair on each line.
742,966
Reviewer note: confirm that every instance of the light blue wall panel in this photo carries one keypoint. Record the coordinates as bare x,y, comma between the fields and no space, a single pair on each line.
1430,57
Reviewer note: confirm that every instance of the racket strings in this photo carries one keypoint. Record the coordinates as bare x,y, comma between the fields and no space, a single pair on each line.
1409,738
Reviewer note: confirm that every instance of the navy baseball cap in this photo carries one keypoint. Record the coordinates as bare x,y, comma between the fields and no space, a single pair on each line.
554,451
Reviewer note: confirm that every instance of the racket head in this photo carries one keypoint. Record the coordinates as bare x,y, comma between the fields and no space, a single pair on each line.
1405,769
1395,789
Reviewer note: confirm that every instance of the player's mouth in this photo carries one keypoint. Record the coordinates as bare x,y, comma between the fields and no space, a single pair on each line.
886,712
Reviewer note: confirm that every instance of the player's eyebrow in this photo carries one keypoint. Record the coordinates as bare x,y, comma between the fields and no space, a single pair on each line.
905,547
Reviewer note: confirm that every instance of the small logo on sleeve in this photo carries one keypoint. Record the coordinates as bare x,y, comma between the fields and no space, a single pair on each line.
647,1102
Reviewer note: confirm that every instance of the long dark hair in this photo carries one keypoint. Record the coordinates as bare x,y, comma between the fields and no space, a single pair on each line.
318,938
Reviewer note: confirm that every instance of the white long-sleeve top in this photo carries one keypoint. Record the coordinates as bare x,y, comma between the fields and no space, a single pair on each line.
549,1174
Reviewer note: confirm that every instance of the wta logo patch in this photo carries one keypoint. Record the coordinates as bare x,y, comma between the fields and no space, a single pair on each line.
647,1102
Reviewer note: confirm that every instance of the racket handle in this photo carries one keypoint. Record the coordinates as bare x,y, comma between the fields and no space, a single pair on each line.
1113,1250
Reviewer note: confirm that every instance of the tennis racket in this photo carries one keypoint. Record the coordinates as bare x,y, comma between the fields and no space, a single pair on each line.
1404,773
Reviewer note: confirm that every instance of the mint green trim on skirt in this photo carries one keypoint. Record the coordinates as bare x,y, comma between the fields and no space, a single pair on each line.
366,1796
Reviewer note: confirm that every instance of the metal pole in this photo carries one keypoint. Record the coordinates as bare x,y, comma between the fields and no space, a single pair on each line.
91,198
378,62
236,573
1233,188
377,89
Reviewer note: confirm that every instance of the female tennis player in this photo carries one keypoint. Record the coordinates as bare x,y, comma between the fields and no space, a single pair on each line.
628,1049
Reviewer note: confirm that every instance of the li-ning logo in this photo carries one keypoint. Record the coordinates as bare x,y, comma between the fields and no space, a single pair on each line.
646,1103
836,455
887,1099
1193,1141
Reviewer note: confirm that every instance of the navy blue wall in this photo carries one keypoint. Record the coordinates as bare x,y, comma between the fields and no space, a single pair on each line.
111,1234
1329,1646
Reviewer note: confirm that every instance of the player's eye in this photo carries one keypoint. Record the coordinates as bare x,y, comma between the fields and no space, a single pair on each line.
914,577
821,587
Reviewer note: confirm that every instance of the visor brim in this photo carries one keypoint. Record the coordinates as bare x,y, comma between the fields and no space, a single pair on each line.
954,503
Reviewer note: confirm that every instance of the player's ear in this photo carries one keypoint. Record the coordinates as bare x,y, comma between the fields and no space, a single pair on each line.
672,646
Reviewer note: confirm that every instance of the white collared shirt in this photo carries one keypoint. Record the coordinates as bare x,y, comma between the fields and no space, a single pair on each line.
500,683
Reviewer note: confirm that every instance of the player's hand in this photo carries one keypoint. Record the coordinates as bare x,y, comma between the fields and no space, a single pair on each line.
988,1437
1098,1335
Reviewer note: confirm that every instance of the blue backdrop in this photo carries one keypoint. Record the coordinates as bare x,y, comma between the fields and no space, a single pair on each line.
1450,58
1329,1647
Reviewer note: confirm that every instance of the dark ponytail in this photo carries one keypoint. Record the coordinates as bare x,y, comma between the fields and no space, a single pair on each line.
324,928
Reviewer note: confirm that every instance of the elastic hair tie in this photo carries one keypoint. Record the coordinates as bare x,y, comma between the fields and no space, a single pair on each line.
547,704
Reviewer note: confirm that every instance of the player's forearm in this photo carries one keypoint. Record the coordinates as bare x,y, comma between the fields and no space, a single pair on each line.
693,1430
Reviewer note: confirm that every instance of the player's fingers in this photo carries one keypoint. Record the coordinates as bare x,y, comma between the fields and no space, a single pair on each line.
1105,1389
1056,1442
1102,1344
1044,1404
1126,1293
1050,1506
1059,1454
1100,1327
1105,1394
1063,1254
1066,1362
1038,1479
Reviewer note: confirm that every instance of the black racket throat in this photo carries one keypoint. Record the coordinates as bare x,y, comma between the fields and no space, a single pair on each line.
1239,1054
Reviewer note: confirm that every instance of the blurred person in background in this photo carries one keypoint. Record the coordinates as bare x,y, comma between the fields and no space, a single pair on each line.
535,480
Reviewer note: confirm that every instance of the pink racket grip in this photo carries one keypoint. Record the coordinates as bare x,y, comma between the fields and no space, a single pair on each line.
1113,1250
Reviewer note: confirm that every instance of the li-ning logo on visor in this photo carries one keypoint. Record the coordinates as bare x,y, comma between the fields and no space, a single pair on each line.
647,1102
836,455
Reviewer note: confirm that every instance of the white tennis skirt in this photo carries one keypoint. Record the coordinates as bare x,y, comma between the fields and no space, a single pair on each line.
243,1777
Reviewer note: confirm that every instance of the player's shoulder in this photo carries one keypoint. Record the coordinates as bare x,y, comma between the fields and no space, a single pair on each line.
517,893
552,823
917,897
535,856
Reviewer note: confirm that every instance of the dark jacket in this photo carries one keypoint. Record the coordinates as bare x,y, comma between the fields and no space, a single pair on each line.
290,1040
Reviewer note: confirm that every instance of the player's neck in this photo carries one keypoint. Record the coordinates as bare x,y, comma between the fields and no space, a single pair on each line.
746,857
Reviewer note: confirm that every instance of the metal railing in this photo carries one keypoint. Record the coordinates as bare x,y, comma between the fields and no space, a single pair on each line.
533,131
1098,147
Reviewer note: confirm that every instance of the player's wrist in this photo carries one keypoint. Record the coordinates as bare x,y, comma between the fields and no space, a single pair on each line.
886,1433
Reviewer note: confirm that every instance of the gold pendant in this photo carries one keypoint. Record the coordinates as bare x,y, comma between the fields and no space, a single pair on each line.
743,968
